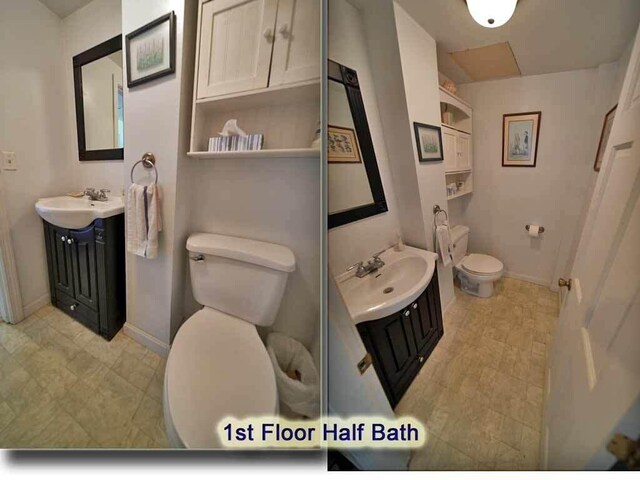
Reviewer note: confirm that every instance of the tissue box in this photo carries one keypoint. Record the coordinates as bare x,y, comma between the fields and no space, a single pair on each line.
236,143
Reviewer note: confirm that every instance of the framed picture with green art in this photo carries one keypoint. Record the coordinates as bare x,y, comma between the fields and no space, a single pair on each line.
151,51
428,142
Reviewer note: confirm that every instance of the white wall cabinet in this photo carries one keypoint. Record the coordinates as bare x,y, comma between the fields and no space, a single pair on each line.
254,44
296,49
463,151
449,148
456,149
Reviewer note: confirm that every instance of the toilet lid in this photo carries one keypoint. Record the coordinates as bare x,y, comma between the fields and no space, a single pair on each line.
482,264
217,367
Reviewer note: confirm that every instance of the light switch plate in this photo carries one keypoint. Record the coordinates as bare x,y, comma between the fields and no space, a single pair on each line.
9,161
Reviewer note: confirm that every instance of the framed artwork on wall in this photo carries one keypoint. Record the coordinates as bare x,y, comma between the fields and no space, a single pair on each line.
342,145
604,137
151,51
520,133
428,142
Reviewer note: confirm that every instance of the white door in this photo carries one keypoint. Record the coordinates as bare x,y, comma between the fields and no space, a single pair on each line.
296,49
594,377
236,40
449,149
463,151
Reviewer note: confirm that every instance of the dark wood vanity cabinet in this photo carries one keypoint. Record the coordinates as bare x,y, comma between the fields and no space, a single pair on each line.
401,343
87,273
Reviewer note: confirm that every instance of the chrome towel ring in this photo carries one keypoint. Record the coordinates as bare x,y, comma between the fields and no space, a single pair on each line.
148,160
436,211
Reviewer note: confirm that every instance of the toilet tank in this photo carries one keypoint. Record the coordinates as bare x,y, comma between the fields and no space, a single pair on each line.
459,238
242,277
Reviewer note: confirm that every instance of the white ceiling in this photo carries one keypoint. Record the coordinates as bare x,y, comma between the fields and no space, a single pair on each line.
546,35
63,8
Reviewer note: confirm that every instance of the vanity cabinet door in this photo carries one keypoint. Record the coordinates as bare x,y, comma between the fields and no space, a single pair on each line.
394,352
83,260
425,327
449,149
61,259
296,48
236,41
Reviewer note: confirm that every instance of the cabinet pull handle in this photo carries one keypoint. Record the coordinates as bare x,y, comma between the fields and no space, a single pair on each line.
64,239
407,313
284,30
73,307
268,34
414,306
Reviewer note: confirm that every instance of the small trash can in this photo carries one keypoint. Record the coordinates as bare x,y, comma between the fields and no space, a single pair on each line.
296,375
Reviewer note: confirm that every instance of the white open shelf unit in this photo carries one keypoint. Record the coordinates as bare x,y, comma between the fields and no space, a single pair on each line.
287,116
457,139
454,177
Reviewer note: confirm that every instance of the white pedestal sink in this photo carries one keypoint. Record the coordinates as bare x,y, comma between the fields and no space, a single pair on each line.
403,278
70,212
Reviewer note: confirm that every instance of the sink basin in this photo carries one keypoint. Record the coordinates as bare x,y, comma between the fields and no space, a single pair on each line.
403,278
69,212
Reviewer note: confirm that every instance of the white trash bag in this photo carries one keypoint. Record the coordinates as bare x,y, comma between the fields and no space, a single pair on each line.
296,375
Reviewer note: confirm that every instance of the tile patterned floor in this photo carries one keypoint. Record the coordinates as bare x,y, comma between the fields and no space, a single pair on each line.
62,386
480,393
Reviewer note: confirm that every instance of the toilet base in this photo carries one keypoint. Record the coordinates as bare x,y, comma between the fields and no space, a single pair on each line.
483,290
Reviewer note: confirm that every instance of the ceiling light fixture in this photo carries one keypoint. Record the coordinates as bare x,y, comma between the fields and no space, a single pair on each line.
491,13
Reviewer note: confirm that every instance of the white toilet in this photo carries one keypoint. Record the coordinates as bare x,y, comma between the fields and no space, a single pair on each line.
476,271
218,365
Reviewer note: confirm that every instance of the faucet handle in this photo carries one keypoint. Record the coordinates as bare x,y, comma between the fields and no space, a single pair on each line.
377,255
355,265
105,190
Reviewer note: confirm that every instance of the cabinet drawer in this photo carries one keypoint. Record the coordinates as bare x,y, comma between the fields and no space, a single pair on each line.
78,311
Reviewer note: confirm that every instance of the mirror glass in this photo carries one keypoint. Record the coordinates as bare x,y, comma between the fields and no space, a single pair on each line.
348,182
102,97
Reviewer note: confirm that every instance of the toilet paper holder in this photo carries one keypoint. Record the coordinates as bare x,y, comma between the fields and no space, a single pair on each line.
527,228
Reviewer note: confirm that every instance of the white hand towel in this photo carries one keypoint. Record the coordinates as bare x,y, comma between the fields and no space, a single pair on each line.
444,244
144,220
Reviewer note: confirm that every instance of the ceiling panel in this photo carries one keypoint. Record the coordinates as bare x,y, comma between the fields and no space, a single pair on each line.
545,35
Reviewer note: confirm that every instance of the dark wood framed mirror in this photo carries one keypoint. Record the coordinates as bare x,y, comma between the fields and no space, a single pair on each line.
99,97
355,188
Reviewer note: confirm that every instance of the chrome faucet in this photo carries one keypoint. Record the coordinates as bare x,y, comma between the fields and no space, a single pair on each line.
98,196
372,265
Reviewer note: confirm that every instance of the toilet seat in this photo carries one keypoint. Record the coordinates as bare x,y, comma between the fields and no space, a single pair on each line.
480,264
217,367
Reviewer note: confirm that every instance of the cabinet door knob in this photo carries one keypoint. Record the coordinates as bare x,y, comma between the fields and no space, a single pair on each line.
69,240
414,306
63,239
407,313
268,34
284,30
73,307
420,358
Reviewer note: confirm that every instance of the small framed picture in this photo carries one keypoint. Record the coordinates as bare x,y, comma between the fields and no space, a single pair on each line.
429,142
151,51
342,145
604,137
520,139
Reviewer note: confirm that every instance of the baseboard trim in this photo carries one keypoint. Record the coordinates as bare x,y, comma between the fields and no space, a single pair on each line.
36,305
527,278
149,341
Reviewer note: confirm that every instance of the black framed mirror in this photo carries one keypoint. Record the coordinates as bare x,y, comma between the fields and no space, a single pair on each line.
99,96
355,186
